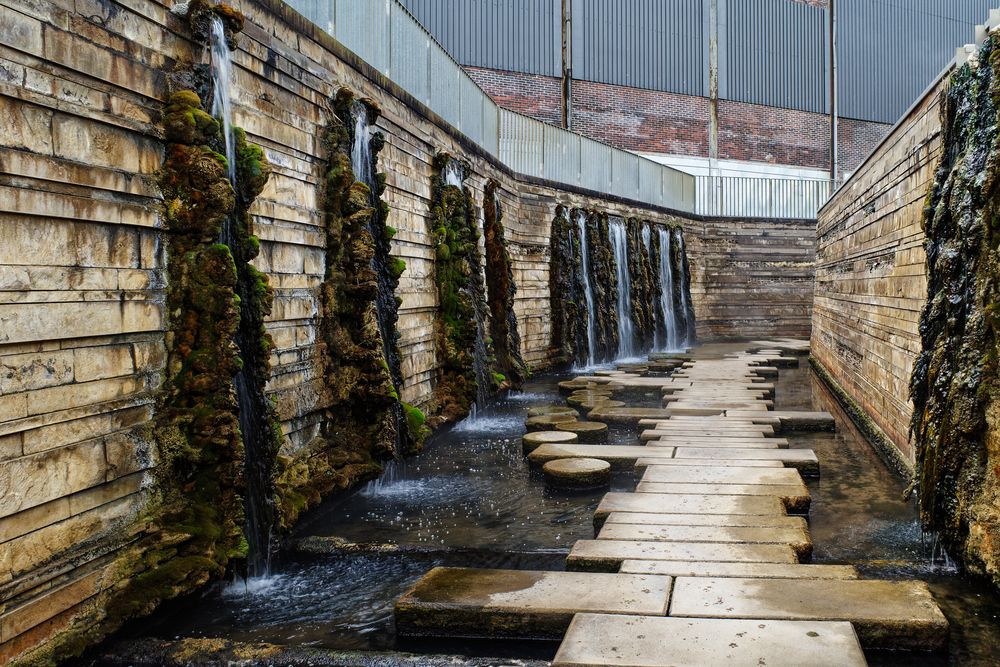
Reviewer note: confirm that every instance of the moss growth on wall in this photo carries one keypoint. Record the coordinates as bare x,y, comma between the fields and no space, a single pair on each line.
501,290
360,426
461,294
643,277
604,284
566,297
955,384
682,287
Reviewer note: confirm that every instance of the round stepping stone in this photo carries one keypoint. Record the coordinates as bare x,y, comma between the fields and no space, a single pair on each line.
595,397
547,422
569,386
532,441
577,474
586,432
538,411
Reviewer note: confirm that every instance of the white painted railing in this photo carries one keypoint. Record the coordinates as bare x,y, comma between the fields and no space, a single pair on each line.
761,197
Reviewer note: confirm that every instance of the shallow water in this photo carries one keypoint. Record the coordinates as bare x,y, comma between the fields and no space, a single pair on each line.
469,500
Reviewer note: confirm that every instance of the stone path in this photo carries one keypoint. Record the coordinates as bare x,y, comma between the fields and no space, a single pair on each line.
716,524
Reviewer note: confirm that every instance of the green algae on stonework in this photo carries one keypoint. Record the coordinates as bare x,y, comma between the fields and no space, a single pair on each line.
458,272
501,291
955,385
566,290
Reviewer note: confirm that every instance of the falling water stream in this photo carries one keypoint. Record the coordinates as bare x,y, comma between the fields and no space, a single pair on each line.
627,347
588,292
222,74
686,336
670,338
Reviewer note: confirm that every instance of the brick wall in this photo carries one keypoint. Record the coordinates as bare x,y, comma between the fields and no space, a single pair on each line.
534,95
871,280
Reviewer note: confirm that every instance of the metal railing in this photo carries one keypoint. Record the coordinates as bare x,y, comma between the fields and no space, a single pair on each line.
761,197
387,37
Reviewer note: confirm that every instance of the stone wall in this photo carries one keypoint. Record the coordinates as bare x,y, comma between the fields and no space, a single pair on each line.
871,275
82,274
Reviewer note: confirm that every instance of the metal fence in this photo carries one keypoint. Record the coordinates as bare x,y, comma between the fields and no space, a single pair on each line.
385,35
755,197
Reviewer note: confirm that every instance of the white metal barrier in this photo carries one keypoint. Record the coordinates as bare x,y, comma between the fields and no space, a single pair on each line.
761,197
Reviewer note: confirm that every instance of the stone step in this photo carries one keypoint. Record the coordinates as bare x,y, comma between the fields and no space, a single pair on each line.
720,475
886,614
745,443
735,520
794,421
607,555
620,415
797,538
730,436
803,460
739,570
708,463
656,503
466,602
535,439
795,497
596,640
619,456
687,429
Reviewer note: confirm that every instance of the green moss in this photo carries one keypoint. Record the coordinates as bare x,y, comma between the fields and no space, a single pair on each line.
398,266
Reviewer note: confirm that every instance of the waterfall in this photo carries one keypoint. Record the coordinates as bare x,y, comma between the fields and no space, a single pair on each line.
671,337
222,73
647,240
588,292
386,315
686,336
250,398
480,356
453,175
627,347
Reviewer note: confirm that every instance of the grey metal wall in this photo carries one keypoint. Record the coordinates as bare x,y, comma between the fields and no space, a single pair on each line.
773,52
889,51
652,44
514,35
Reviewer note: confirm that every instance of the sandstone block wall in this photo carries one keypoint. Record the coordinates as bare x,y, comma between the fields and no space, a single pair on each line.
82,324
871,280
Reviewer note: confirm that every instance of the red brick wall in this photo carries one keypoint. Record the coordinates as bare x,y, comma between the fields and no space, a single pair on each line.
659,122
531,94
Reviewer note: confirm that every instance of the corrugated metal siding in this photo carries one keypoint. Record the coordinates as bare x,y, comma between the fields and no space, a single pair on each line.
775,54
889,51
514,35
641,43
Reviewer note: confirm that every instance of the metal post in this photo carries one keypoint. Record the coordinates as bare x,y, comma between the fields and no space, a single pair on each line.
834,123
713,101
567,63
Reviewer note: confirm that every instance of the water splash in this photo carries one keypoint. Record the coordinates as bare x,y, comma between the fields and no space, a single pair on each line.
222,74
668,341
453,174
588,292
627,347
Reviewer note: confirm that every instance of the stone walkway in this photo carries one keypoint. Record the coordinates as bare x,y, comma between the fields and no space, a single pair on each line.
707,561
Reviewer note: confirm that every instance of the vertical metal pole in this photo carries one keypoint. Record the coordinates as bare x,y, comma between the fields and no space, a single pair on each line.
834,121
567,63
713,103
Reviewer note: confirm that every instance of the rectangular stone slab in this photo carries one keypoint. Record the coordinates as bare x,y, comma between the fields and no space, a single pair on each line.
803,460
797,538
619,456
886,614
739,570
763,443
657,503
595,640
795,421
607,555
657,519
795,496
646,461
467,602
720,475
626,415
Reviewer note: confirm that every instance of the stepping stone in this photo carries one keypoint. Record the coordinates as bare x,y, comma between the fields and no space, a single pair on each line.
623,415
746,443
712,431
795,497
704,439
803,460
796,421
538,411
593,405
607,555
655,503
797,538
577,474
732,520
587,432
720,475
886,614
532,441
619,456
711,463
739,570
597,640
466,602
547,422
